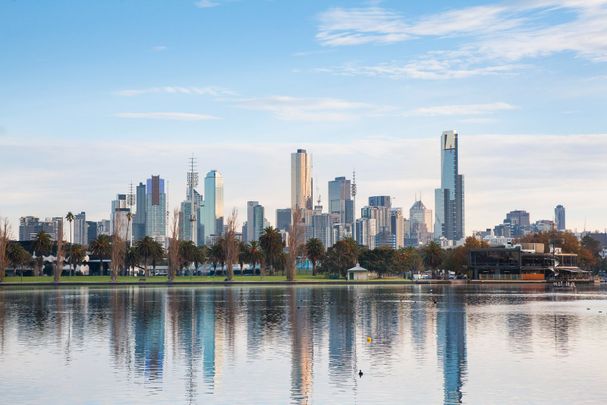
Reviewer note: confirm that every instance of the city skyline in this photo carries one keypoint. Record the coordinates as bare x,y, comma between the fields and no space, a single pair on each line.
365,86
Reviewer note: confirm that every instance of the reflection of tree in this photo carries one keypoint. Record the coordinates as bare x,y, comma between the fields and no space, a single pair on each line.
119,327
301,346
451,343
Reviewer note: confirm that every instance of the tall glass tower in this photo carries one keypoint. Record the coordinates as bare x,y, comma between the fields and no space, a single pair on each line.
156,209
449,198
212,210
559,218
301,180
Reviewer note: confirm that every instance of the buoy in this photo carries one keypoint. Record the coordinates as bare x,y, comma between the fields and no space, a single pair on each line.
369,340
360,373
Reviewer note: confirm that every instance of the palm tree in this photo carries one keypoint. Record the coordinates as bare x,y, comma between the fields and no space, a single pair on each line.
132,258
315,250
187,253
70,218
255,254
102,248
217,254
157,254
146,250
78,254
42,246
243,256
271,244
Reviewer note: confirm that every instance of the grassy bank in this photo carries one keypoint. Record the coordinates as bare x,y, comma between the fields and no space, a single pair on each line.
301,278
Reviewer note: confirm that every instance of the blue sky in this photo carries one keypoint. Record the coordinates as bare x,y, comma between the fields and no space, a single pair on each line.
94,95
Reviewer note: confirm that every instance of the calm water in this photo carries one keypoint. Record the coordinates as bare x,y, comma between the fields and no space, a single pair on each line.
303,345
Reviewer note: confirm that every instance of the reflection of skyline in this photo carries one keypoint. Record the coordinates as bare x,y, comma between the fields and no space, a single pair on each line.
451,343
192,338
301,346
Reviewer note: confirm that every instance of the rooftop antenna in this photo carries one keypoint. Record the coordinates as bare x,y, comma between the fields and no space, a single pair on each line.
192,178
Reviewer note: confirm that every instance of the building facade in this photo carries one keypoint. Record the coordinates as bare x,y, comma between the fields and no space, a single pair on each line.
559,218
449,198
212,208
301,180
156,209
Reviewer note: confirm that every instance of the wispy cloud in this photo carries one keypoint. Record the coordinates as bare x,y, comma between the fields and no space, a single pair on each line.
206,4
461,109
490,39
432,66
201,91
159,48
174,116
311,109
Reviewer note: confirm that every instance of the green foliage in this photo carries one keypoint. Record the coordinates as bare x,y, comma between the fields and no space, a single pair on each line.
272,246
340,257
315,251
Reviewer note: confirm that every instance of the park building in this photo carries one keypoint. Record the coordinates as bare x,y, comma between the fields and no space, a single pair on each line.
527,261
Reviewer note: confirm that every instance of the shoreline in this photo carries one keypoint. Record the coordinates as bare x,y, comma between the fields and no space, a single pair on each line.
181,283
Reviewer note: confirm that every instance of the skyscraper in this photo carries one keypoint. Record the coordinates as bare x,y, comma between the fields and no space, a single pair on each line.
139,217
559,218
255,221
420,224
119,221
212,209
301,180
449,198
190,207
155,209
341,207
283,219
250,218
80,229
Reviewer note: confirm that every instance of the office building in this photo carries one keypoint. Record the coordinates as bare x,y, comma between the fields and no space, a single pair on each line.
559,218
397,227
255,221
283,219
212,208
366,230
119,205
420,224
380,201
139,217
301,180
156,209
91,231
341,208
80,234
449,198
190,207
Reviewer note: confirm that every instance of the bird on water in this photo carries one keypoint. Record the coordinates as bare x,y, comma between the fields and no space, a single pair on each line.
360,373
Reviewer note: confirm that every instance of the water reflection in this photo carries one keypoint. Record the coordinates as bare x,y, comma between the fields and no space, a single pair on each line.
296,344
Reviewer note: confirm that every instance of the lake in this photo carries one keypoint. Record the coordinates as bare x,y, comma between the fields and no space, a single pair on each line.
414,344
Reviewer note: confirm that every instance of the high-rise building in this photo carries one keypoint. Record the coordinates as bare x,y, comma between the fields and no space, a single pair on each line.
212,209
449,198
255,221
28,228
321,226
283,219
380,201
420,224
118,205
139,217
91,231
381,214
248,237
559,218
366,230
80,229
190,208
156,209
341,208
301,180
397,227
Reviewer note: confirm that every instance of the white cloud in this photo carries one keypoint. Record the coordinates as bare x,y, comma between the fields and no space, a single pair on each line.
159,48
190,90
206,4
174,116
460,109
490,39
311,109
